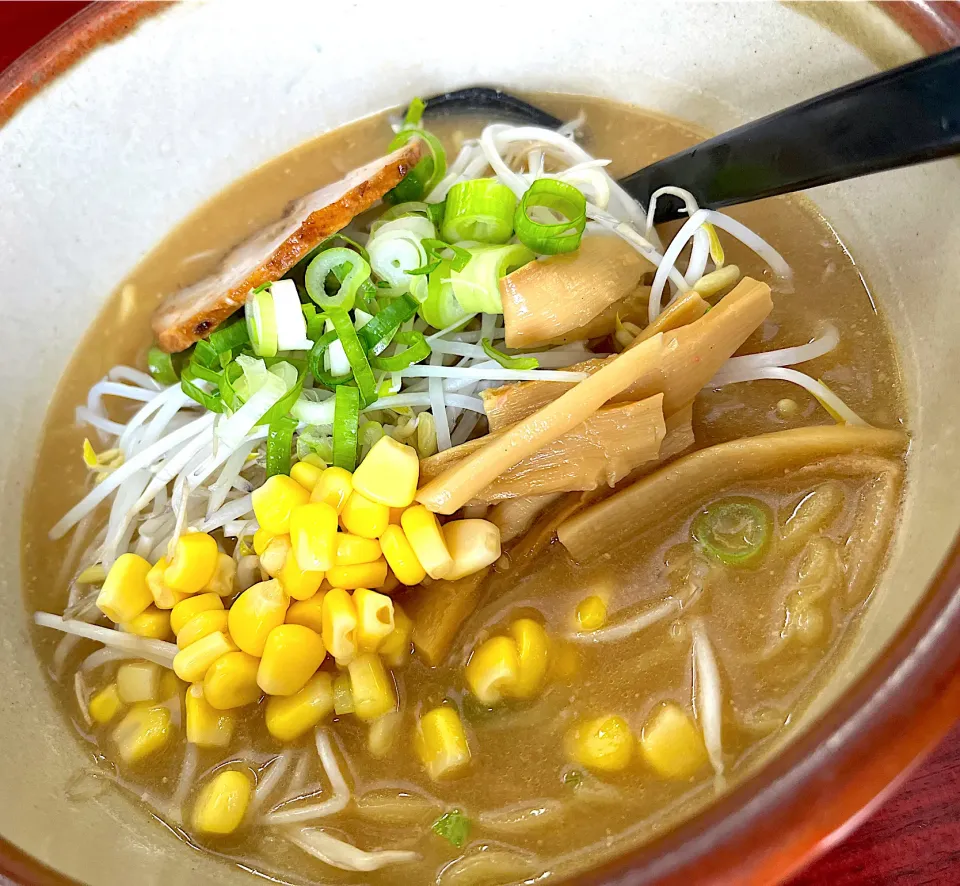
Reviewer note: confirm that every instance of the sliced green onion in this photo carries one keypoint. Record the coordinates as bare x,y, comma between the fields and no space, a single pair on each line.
198,370
346,421
262,323
230,337
279,445
426,175
205,354
735,530
481,210
453,826
315,361
314,321
246,375
560,198
436,212
505,360
263,287
417,349
355,354
400,210
414,112
379,332
457,258
315,279
161,367
211,401
425,269
476,286
441,308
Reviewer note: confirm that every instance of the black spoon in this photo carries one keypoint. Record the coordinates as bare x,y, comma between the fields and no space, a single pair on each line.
903,116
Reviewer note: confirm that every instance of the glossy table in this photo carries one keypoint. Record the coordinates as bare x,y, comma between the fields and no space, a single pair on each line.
912,840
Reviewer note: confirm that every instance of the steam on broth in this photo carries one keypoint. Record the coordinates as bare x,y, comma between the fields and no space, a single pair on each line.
525,573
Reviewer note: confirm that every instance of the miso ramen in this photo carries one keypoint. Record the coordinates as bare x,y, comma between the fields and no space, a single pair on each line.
445,519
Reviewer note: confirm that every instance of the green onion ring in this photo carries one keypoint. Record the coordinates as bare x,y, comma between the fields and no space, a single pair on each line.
505,360
481,210
561,198
736,531
212,401
426,175
323,265
161,366
379,332
230,337
279,445
437,249
418,348
346,423
262,323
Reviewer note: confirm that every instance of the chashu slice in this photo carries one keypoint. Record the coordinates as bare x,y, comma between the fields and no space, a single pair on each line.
192,313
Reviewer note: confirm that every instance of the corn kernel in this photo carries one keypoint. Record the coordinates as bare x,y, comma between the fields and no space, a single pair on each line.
340,625
298,583
170,685
192,663
333,488
223,802
473,544
231,681
187,609
256,612
164,597
374,619
354,549
125,593
313,531
152,623
206,726
261,538
138,681
306,474
400,556
105,705
362,575
591,614
290,717
273,503
533,648
422,530
224,579
396,648
605,743
441,743
342,696
275,555
373,691
493,669
194,562
142,732
290,658
308,613
671,743
364,517
389,473
202,624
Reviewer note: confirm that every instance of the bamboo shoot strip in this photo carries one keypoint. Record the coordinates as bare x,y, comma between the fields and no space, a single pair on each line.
458,485
698,476
690,357
600,451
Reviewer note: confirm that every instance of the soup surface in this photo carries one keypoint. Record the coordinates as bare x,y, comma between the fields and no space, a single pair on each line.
696,617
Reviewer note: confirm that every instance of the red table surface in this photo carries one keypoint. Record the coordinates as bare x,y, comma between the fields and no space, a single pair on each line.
912,840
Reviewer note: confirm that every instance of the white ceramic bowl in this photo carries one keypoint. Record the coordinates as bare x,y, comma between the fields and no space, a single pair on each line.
131,134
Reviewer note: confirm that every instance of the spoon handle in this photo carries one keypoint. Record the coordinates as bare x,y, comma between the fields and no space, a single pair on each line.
907,115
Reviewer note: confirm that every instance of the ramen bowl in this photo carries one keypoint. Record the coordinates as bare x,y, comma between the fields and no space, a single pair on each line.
131,116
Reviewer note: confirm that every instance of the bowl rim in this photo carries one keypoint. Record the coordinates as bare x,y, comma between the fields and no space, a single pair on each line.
824,783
